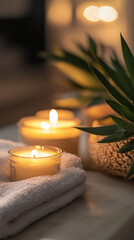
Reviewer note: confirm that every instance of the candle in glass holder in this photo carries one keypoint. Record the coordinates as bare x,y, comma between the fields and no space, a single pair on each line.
50,131
30,161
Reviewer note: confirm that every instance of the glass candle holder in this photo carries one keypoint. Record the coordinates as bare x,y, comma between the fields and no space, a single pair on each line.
30,161
61,134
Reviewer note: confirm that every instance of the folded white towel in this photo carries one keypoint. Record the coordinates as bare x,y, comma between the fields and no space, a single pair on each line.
23,202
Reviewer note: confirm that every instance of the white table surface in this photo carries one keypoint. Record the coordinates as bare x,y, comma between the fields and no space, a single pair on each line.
105,212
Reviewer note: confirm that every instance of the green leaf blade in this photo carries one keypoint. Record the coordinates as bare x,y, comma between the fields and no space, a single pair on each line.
113,91
127,147
131,171
123,124
102,131
114,137
119,79
92,46
85,51
120,122
129,59
121,110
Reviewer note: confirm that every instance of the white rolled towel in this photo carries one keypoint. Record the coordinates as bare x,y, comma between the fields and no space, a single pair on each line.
24,202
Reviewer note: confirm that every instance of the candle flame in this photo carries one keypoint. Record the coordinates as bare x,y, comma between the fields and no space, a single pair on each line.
45,125
34,153
53,116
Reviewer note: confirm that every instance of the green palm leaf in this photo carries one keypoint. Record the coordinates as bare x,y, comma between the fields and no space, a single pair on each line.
113,91
120,122
116,137
122,74
129,59
120,80
131,171
127,147
92,45
121,110
123,124
86,52
70,58
103,131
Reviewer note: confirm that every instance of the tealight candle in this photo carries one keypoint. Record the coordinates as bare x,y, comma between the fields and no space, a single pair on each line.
50,131
30,161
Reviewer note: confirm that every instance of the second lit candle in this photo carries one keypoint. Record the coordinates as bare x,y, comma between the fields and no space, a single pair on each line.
59,133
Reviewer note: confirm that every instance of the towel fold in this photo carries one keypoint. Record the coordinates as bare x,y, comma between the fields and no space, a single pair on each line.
23,202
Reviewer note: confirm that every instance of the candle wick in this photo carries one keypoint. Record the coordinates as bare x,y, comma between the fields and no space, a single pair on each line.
34,153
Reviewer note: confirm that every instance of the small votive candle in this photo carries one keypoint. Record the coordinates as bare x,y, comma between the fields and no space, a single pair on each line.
30,161
51,131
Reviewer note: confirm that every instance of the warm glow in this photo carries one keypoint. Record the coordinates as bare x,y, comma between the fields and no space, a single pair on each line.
91,13
53,116
34,153
108,14
96,13
45,125
59,12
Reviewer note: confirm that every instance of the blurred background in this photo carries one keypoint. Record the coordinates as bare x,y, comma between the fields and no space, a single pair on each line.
28,27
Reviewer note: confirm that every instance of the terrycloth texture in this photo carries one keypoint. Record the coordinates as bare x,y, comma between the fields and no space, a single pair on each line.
23,202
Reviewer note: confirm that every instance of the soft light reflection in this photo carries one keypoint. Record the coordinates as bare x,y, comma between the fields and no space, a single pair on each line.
34,153
53,116
91,13
45,125
96,13
108,14
60,12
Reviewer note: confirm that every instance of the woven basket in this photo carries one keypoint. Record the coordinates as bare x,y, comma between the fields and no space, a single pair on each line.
106,156
88,115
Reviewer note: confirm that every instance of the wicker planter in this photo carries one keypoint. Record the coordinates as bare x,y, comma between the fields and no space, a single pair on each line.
88,116
106,156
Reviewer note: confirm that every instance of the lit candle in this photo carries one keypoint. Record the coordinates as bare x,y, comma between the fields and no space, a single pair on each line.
30,161
51,131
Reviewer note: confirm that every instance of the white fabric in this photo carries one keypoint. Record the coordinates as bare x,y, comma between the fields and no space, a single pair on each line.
23,202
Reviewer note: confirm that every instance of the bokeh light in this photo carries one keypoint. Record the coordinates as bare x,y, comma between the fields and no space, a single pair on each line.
91,13
59,12
108,14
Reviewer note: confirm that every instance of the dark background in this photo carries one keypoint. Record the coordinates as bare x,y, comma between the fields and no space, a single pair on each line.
22,72
28,27
27,31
